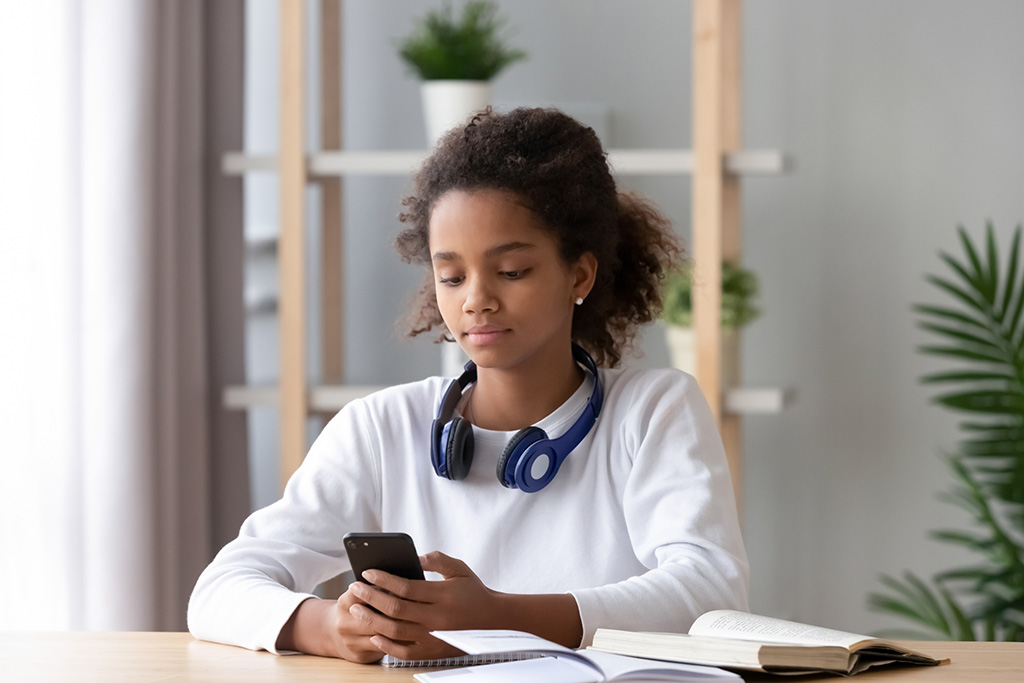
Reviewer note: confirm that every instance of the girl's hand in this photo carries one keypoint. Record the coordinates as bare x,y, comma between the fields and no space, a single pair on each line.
350,637
409,610
330,628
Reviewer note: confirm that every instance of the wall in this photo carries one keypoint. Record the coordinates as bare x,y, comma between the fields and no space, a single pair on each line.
903,119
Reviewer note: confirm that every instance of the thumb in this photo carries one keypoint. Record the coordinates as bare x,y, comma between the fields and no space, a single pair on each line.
448,567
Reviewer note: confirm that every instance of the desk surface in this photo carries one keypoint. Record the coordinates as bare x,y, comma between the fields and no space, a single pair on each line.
145,657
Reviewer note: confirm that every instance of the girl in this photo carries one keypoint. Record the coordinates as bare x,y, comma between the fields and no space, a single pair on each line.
574,497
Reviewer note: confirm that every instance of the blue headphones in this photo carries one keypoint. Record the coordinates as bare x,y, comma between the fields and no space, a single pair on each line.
451,440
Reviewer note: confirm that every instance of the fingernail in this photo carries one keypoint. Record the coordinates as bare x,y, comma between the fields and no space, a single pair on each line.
377,642
358,611
370,575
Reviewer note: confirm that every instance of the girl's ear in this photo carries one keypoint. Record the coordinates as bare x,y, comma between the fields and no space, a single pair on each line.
584,273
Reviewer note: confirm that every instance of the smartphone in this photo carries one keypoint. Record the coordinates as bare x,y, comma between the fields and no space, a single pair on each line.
393,553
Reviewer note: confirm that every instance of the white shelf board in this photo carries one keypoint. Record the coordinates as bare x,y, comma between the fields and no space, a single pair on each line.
334,397
762,400
366,163
622,161
323,398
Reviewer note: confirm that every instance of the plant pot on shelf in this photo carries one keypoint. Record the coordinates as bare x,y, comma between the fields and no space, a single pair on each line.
682,349
447,104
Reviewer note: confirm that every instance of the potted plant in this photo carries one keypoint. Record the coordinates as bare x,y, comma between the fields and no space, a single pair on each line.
739,290
456,58
980,329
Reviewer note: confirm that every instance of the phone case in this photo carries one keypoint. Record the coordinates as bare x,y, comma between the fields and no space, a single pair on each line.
393,553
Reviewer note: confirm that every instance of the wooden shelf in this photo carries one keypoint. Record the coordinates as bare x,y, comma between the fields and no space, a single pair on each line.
716,165
404,163
741,400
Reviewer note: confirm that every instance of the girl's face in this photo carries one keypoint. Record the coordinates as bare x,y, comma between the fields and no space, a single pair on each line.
503,289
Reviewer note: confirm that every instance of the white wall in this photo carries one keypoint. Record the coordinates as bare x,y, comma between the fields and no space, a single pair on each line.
904,119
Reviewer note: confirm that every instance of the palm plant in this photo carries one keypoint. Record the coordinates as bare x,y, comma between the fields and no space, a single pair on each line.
983,332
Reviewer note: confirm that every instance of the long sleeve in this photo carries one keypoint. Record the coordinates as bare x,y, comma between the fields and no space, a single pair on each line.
249,591
680,514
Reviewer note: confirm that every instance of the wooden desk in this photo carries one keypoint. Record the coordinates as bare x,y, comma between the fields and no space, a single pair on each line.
145,657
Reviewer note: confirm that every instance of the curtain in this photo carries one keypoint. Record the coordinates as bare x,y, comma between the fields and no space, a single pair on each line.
116,339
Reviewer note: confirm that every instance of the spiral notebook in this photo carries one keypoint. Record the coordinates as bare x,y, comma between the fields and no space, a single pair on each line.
465,660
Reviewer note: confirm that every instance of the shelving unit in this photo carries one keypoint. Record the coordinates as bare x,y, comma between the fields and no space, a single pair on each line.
715,165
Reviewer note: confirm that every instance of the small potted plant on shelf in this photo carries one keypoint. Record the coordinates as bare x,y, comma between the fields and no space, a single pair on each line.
456,59
739,290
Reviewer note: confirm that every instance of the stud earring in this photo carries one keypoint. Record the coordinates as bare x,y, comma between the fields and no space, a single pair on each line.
579,301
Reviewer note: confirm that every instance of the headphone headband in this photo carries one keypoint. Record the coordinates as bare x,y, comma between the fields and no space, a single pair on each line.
451,444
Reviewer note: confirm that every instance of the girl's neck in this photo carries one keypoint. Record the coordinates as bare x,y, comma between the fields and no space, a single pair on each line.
509,401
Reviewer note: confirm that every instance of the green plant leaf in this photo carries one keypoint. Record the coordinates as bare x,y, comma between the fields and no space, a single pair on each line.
991,278
991,401
964,296
972,541
962,627
963,354
961,335
950,314
972,255
918,599
978,575
974,281
994,447
967,376
1011,277
884,603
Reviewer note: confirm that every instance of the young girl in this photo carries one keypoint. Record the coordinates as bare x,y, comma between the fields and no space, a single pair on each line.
554,497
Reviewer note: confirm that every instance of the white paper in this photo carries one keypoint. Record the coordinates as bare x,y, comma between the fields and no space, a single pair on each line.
483,642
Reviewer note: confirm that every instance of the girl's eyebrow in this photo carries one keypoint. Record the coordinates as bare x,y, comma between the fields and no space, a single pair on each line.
490,253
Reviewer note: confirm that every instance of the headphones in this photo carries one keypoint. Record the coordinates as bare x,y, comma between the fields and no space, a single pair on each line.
451,440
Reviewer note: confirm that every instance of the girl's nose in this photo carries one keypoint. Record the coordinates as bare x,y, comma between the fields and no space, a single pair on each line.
479,297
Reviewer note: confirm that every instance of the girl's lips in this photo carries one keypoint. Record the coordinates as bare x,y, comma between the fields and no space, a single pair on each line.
485,334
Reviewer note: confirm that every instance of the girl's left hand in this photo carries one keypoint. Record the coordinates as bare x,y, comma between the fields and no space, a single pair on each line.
409,610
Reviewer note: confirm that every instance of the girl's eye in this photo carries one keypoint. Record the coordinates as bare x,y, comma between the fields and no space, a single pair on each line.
514,274
451,281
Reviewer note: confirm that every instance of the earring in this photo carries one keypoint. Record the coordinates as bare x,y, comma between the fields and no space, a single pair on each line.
579,301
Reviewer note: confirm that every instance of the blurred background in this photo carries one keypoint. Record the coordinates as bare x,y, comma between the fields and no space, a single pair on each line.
137,280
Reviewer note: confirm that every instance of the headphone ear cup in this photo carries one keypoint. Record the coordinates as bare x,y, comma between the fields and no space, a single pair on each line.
458,449
516,446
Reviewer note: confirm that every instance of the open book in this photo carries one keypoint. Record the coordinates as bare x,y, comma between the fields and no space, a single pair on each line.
746,641
559,664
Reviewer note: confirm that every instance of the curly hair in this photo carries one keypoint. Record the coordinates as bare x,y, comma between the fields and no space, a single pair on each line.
558,167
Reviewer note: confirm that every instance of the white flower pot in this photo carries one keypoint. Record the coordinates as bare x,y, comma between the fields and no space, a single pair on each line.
447,104
682,349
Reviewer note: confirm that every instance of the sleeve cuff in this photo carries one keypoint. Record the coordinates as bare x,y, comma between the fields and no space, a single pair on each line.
276,617
589,615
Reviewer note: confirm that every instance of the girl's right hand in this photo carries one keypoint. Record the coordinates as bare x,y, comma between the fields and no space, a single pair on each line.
328,628
350,635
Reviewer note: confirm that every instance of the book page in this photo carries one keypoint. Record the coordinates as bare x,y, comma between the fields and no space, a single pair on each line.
615,667
732,624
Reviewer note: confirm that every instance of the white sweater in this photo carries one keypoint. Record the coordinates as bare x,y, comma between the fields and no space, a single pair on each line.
639,525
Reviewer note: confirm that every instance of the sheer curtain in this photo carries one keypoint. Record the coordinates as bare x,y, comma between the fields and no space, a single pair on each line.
109,352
